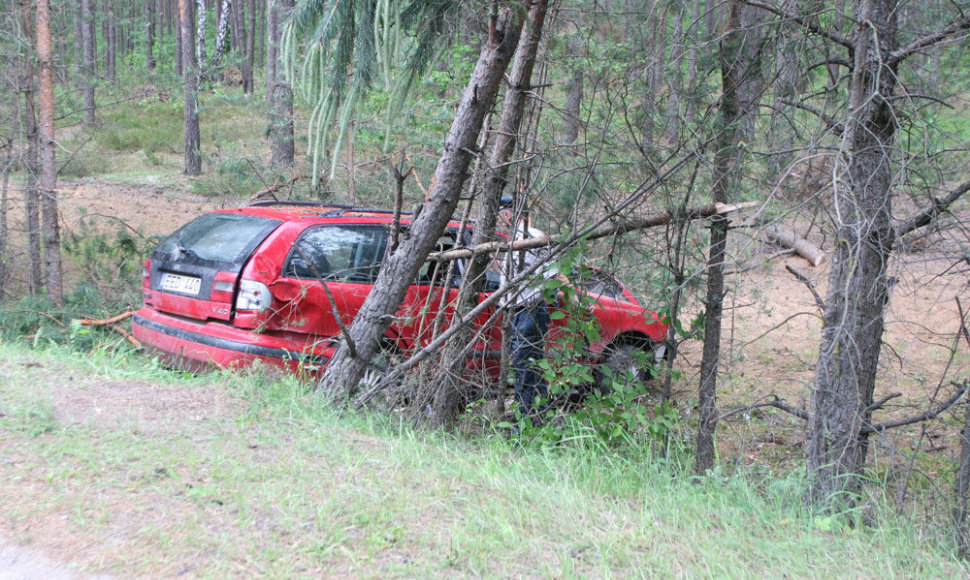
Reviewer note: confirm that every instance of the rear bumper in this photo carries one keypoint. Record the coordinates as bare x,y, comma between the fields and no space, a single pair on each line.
196,345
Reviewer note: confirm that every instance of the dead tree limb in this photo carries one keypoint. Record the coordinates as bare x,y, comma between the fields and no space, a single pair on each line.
926,416
811,287
787,238
271,190
104,321
926,216
775,402
617,228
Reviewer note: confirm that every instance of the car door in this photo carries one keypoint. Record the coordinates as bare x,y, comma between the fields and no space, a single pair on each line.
329,272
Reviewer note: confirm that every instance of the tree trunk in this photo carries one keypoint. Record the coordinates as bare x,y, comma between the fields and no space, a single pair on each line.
88,41
192,141
222,30
572,112
200,53
179,58
271,43
844,381
48,171
738,73
281,93
448,393
150,63
374,318
110,42
250,59
27,83
4,198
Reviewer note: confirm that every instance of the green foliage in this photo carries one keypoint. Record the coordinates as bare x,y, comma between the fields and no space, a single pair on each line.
386,43
617,410
154,127
238,176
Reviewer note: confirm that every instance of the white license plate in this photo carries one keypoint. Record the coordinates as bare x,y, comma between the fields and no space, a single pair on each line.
180,284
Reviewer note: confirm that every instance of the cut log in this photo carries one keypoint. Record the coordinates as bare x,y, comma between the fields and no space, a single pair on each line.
787,238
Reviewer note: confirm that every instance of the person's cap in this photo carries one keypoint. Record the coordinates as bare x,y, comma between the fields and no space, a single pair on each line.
506,201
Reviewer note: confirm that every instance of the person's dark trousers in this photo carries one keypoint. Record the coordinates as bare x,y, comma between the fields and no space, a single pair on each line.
526,347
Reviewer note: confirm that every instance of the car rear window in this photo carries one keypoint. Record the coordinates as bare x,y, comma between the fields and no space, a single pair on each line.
218,237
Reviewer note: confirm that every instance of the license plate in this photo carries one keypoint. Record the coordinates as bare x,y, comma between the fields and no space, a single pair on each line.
180,284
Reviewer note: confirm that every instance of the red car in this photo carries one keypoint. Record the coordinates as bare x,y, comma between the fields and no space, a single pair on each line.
265,282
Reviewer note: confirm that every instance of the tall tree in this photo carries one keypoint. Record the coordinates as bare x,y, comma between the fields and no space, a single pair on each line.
738,59
27,86
280,92
222,31
842,401
200,52
150,13
88,42
192,140
249,61
447,392
350,360
50,222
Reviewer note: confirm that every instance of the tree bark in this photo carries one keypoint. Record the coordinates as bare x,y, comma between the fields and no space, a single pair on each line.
27,86
4,197
844,381
200,52
222,30
48,171
375,316
281,93
150,62
448,392
110,37
88,41
572,111
192,140
250,59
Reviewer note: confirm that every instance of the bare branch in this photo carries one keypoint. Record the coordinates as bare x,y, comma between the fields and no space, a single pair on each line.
833,124
776,402
808,284
618,228
927,216
926,416
882,402
963,321
929,40
803,22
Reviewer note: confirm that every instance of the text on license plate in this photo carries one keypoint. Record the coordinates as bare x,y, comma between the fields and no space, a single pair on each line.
179,283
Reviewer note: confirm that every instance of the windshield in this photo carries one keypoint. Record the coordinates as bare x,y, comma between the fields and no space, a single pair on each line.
217,237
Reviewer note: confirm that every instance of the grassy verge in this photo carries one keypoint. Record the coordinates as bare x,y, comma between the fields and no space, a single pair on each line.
119,466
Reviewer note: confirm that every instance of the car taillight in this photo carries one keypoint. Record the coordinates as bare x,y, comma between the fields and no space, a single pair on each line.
253,296
222,286
146,282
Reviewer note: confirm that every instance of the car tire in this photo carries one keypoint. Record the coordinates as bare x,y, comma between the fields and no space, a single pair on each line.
627,362
383,362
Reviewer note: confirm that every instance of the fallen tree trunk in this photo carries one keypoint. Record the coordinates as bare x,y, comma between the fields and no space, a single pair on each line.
621,227
788,239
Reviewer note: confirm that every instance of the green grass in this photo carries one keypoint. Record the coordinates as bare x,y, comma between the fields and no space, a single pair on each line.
272,484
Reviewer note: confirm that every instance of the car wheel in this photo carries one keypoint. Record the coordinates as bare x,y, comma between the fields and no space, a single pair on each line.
628,364
380,366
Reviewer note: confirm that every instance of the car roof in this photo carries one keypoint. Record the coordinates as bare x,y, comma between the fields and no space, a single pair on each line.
292,211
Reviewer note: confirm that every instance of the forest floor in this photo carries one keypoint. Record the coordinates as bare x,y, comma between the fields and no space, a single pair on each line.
771,337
